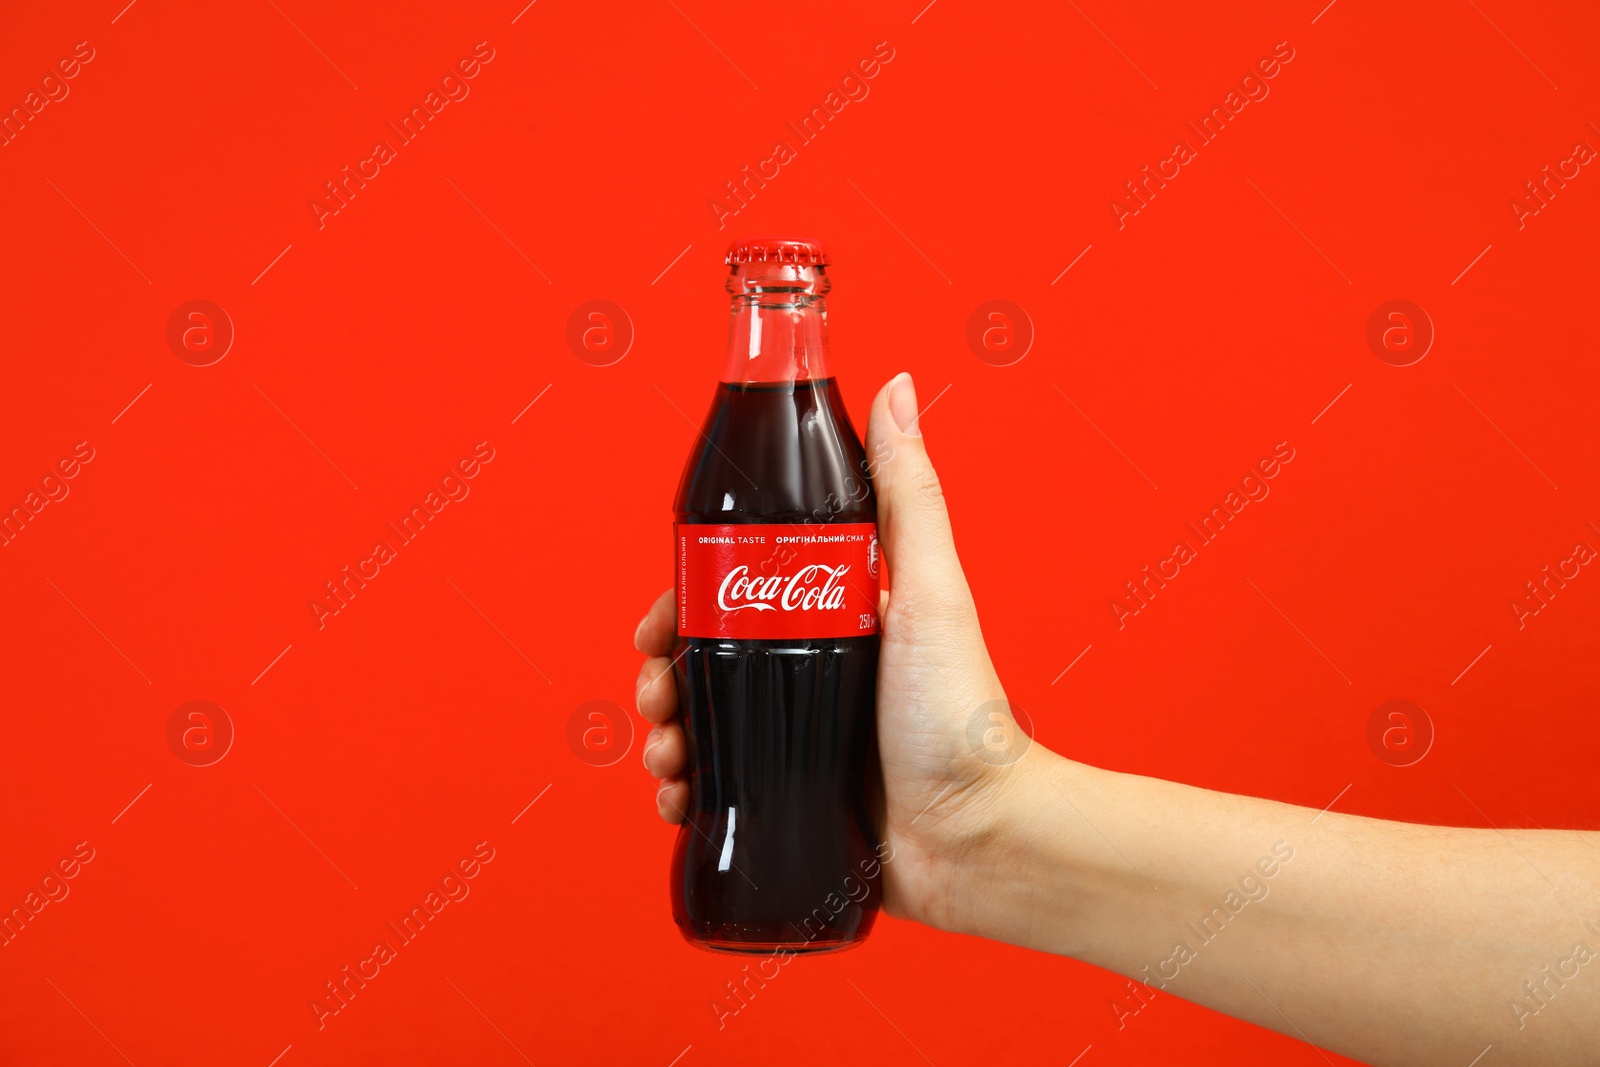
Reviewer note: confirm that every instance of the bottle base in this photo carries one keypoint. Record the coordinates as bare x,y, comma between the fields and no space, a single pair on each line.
724,946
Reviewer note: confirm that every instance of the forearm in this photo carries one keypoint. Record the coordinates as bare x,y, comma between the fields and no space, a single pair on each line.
1388,942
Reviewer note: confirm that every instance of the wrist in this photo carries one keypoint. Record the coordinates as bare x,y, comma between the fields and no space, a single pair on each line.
1015,873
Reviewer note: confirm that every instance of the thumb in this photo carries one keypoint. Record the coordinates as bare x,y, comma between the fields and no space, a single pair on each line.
926,581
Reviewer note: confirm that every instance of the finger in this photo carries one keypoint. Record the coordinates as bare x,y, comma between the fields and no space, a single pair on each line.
655,631
665,751
655,693
672,800
924,572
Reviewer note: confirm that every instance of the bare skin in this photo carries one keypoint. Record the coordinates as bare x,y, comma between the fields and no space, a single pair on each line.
1388,942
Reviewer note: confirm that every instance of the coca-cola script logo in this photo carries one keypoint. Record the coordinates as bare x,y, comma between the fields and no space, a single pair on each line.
814,588
774,581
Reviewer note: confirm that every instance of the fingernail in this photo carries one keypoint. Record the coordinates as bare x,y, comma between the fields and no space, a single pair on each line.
903,404
651,740
638,632
666,784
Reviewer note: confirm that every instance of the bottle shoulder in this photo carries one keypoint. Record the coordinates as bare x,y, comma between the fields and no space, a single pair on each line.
777,454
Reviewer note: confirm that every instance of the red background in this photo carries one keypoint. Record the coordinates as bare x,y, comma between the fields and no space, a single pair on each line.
378,751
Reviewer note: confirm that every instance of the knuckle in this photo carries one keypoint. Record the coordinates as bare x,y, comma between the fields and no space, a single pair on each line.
927,488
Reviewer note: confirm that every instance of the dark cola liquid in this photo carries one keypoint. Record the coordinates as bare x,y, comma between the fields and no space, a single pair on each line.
783,733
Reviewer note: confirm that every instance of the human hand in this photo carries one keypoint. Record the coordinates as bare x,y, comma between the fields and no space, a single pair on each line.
937,689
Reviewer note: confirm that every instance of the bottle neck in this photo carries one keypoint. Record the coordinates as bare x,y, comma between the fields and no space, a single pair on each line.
779,326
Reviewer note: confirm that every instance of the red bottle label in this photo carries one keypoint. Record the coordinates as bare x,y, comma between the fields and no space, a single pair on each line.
772,582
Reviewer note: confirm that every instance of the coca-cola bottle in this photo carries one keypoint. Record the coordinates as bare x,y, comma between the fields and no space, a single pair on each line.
777,655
